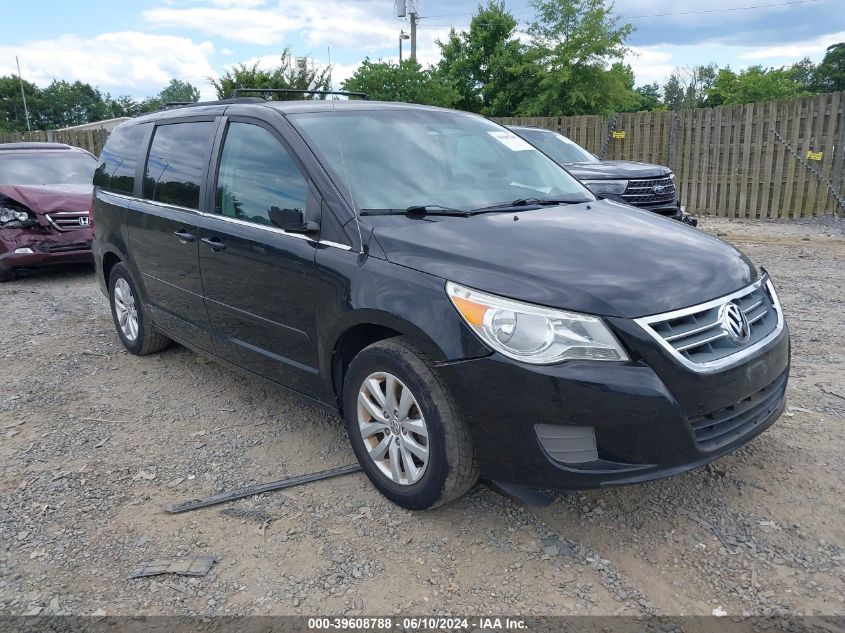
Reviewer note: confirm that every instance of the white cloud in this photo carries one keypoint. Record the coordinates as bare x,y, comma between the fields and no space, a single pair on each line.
649,64
795,51
365,26
125,62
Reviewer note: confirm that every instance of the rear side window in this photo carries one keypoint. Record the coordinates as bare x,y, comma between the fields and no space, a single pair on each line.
119,159
177,162
257,174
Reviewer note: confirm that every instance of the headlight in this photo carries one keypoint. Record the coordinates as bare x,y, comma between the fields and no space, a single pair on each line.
600,187
8,215
534,334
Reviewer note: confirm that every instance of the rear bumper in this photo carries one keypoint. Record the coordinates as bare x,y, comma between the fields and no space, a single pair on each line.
47,248
643,428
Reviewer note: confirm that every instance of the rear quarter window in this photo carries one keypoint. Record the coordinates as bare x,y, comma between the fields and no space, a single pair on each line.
177,161
120,158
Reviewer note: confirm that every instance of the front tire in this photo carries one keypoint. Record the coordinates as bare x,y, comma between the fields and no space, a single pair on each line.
130,320
405,428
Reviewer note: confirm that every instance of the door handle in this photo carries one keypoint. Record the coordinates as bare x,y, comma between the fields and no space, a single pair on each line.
184,236
215,244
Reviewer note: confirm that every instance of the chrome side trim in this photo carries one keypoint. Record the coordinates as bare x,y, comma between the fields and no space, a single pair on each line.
271,229
728,361
343,247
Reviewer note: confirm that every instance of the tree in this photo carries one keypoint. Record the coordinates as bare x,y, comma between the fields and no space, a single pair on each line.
645,99
179,91
408,82
830,73
688,87
753,84
12,116
487,64
803,73
66,104
287,75
575,43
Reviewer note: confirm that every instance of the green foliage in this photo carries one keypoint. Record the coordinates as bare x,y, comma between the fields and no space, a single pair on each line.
408,82
689,86
578,46
285,75
645,99
487,65
12,117
753,84
64,104
830,73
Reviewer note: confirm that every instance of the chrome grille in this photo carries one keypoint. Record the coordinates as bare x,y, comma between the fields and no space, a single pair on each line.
696,337
68,220
641,193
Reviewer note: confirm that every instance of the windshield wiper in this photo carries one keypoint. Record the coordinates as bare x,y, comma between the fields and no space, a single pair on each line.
526,204
418,210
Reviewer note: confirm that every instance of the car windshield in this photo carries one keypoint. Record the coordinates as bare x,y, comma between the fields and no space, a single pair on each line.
395,159
48,168
560,148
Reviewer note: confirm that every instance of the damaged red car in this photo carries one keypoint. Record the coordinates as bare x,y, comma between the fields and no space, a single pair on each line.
45,206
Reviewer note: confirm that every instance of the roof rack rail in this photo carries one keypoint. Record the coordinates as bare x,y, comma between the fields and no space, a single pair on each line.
176,104
237,92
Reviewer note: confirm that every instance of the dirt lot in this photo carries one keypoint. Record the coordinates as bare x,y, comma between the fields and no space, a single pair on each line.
95,441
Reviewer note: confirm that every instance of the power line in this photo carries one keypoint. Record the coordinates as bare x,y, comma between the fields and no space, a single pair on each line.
753,6
650,15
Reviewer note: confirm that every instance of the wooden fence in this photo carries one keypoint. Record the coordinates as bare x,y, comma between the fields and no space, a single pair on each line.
92,140
782,159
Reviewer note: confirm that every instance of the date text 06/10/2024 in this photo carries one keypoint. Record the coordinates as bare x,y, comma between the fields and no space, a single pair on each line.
416,624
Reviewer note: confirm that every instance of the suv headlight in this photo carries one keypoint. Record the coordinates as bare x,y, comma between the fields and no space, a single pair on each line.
534,334
600,187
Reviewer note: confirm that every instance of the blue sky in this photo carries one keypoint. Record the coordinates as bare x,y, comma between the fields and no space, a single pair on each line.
135,47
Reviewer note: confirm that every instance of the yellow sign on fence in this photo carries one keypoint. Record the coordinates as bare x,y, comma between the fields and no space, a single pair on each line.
619,134
814,155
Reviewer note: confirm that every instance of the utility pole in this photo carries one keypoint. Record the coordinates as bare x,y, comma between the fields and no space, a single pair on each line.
413,15
23,95
402,36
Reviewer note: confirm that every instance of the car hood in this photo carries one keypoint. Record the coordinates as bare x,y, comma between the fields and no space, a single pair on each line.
600,257
43,199
611,169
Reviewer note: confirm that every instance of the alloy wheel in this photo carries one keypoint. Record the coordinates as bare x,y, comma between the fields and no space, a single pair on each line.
393,428
125,310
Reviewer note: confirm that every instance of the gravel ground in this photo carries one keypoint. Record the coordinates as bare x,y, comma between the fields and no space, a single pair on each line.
95,441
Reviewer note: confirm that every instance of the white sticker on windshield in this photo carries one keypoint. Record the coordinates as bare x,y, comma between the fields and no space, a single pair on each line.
511,141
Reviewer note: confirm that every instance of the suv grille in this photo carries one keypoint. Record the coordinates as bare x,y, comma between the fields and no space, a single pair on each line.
68,220
698,338
721,427
641,193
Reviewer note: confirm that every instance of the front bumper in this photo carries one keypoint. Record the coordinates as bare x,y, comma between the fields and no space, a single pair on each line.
642,415
47,248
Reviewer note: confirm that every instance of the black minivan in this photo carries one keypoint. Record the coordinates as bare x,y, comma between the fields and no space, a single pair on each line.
467,306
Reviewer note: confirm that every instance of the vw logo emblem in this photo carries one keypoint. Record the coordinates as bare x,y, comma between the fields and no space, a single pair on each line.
659,189
84,220
734,323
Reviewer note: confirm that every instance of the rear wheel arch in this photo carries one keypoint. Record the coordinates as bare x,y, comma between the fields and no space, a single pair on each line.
110,260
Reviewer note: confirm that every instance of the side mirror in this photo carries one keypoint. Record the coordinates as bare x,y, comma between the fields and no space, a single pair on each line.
292,220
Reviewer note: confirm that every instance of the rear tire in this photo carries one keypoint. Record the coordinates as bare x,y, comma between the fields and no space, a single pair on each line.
7,275
421,427
133,327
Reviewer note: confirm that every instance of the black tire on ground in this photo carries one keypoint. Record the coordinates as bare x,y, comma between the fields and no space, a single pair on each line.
149,340
452,468
7,275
